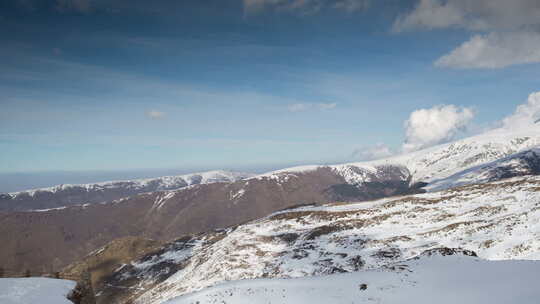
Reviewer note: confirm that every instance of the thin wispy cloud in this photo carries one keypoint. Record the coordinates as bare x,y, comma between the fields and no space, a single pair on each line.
377,151
154,114
303,6
485,15
494,50
300,107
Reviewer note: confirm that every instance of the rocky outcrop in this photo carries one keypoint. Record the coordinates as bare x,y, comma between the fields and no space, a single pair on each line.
83,292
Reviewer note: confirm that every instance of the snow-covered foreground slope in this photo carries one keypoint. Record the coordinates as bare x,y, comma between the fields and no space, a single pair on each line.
435,279
498,220
35,290
441,164
67,194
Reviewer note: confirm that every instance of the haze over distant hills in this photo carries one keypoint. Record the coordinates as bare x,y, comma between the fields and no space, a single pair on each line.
21,181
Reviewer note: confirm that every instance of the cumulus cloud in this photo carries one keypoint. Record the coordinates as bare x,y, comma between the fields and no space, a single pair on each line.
472,15
526,114
440,124
495,50
377,151
300,107
153,114
303,6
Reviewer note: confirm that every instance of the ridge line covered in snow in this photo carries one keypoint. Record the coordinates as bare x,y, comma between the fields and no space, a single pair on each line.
438,162
167,181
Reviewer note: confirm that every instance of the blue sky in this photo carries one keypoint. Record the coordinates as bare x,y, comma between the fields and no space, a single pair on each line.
122,85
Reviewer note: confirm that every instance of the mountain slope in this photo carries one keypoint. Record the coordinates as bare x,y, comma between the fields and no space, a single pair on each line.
439,279
54,238
66,195
498,221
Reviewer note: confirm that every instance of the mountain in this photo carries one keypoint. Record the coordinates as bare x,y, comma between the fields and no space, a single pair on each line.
67,195
438,166
52,239
494,221
431,277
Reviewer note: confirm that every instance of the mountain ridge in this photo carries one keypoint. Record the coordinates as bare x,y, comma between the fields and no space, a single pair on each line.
72,194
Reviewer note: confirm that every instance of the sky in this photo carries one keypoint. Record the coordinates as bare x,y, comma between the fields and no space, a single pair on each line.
93,85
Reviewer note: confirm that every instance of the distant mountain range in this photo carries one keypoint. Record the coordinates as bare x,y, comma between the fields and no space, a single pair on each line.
67,194
83,218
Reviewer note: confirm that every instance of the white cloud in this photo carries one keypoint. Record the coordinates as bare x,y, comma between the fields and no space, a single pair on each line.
153,114
495,50
472,15
378,151
514,25
300,107
526,114
303,6
430,14
327,106
429,127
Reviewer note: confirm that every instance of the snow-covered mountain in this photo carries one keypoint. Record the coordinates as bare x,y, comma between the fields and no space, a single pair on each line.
68,194
457,163
496,221
439,167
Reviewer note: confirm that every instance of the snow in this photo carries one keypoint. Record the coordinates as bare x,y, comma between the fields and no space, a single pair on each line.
35,290
50,209
165,182
162,199
434,164
171,256
498,220
437,279
238,194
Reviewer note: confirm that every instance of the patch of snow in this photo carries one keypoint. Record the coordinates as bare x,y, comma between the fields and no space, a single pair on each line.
238,194
162,199
50,209
35,290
